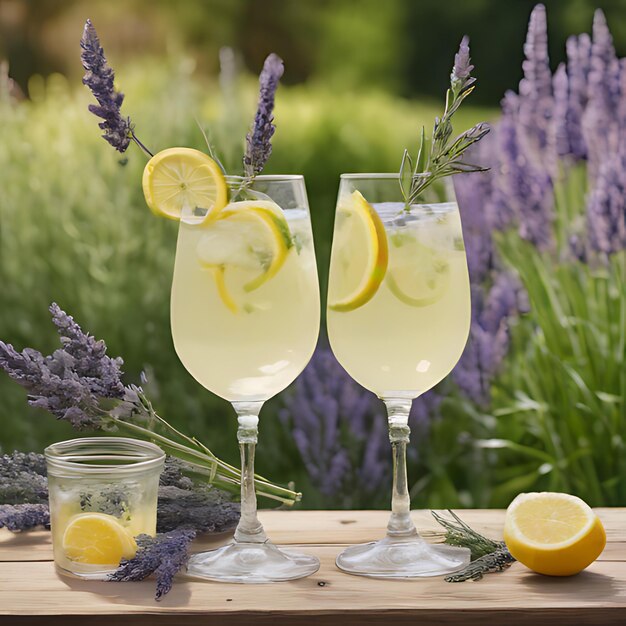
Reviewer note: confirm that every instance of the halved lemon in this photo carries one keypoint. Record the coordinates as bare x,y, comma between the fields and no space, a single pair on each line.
418,275
553,533
361,253
184,178
249,236
97,539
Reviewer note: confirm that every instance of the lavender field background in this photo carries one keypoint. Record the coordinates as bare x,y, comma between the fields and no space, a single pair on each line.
538,399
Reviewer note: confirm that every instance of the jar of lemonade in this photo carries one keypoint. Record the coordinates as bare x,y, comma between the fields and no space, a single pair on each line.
103,493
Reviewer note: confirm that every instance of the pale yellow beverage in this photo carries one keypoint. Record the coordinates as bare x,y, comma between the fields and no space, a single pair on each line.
245,299
412,330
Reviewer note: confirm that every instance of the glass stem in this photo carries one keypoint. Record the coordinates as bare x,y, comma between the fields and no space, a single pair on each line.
249,529
400,523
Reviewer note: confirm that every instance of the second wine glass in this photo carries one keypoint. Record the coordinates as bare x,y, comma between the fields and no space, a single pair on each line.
398,319
245,317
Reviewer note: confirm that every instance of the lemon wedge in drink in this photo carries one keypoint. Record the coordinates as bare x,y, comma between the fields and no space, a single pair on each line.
553,533
179,178
418,275
363,251
249,236
97,539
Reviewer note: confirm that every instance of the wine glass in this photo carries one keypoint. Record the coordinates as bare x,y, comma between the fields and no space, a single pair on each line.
398,320
245,316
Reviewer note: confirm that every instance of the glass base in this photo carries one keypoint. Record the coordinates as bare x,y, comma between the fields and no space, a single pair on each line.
251,563
402,557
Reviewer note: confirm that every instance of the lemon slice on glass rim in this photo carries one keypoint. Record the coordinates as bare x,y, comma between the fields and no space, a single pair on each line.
177,180
365,236
249,235
97,539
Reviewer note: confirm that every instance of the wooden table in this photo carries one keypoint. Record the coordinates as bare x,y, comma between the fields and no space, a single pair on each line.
31,592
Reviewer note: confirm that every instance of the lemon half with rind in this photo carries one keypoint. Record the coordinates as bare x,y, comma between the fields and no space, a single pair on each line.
97,539
553,533
374,242
179,179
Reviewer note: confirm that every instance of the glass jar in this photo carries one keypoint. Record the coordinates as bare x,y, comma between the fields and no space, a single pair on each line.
103,493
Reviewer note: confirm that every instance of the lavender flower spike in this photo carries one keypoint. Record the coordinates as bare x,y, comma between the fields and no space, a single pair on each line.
460,77
99,77
258,140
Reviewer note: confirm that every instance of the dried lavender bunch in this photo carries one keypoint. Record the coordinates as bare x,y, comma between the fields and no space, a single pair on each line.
443,156
164,556
488,555
72,382
259,139
80,384
185,503
19,517
99,77
23,478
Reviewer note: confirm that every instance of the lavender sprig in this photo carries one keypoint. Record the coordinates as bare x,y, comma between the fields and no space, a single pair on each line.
442,156
164,556
259,139
99,77
488,555
19,517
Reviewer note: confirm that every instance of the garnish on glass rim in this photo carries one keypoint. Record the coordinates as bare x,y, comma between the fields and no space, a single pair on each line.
441,156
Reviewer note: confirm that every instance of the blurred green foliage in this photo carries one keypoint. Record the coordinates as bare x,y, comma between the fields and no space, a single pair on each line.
74,227
403,46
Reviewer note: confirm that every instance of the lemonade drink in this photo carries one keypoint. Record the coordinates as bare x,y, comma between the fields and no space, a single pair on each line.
413,329
245,301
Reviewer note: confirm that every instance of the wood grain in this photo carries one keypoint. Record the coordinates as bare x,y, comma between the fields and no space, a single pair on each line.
31,592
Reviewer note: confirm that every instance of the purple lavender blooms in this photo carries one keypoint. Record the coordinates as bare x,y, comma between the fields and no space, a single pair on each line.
164,556
576,115
606,211
339,428
20,517
535,89
99,77
72,381
259,139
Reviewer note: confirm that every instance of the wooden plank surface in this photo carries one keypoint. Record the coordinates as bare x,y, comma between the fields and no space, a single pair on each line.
31,592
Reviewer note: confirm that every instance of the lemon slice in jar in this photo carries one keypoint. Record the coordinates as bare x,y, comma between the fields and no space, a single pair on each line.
97,539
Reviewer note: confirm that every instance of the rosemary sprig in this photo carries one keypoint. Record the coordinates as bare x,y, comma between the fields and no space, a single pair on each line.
441,155
488,555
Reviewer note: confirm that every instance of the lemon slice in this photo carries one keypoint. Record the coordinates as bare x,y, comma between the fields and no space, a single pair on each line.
362,252
418,275
253,236
183,178
97,539
553,533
